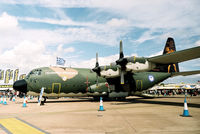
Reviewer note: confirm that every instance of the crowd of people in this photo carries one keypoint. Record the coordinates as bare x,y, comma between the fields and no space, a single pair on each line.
171,92
10,94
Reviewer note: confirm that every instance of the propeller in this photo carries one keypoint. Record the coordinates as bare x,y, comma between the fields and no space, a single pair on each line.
97,69
122,63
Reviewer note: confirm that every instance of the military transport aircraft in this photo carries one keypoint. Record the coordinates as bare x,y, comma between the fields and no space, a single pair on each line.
125,77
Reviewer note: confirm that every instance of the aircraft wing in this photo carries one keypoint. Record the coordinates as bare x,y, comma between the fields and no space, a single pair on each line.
186,73
177,56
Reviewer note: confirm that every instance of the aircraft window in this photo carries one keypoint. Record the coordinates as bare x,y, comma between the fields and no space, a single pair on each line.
36,72
39,72
31,72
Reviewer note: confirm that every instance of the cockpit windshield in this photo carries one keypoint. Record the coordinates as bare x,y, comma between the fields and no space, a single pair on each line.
35,72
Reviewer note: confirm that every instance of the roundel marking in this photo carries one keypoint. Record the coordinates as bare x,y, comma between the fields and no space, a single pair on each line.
151,78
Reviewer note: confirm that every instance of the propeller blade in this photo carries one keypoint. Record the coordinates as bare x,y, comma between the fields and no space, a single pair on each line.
121,55
97,63
121,62
122,77
97,70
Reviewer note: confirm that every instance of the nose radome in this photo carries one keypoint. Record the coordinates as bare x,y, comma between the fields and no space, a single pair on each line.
20,85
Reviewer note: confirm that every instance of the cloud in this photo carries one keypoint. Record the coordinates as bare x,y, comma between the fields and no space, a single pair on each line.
63,22
174,14
26,56
11,34
107,33
91,32
166,17
114,22
28,48
91,62
175,18
102,61
62,51
197,43
50,3
146,36
7,21
156,54
153,14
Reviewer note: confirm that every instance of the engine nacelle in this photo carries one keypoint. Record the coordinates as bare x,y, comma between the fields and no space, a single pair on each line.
101,88
109,71
134,65
139,65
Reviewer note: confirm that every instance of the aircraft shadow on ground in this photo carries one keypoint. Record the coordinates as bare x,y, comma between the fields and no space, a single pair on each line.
126,102
148,101
67,101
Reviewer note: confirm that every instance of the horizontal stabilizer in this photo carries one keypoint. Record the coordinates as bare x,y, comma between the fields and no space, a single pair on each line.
186,73
176,57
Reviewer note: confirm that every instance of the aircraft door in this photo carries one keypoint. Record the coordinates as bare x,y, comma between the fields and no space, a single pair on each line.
56,87
139,84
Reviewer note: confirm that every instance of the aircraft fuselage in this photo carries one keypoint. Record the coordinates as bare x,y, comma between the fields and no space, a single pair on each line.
68,82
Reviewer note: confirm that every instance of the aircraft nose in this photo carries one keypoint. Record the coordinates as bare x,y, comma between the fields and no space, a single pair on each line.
20,85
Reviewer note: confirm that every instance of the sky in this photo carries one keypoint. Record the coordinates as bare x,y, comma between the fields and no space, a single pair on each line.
34,32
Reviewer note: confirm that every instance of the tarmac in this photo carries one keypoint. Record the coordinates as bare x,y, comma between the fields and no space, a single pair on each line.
81,116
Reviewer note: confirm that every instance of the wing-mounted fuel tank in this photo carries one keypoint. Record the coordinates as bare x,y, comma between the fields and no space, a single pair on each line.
101,89
139,64
106,90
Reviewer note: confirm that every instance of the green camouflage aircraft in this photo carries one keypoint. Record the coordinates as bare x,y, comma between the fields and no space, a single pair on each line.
127,76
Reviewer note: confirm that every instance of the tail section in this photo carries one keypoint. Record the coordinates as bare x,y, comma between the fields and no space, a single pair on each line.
169,48
168,62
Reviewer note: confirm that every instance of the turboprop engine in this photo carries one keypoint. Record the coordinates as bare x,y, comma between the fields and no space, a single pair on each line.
139,64
123,65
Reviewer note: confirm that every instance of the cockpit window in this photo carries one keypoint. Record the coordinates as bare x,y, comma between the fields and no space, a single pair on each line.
35,72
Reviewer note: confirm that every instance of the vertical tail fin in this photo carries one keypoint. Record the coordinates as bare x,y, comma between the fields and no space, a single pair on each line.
169,48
